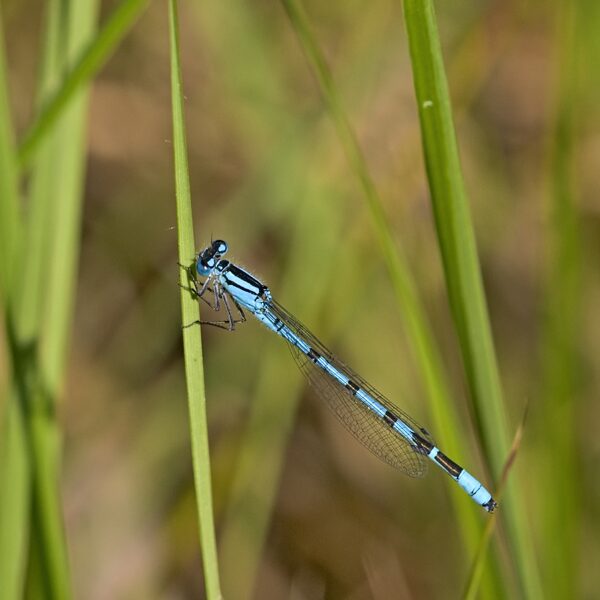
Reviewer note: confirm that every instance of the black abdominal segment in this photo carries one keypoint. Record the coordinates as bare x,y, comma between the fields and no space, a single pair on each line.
449,465
390,418
314,356
352,387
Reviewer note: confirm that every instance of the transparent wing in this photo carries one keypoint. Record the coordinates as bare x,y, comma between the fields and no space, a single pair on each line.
362,423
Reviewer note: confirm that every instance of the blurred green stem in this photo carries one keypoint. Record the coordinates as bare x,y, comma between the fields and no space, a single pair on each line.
71,30
560,514
90,60
41,328
463,277
10,224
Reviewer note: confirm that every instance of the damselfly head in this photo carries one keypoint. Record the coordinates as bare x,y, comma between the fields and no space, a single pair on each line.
210,256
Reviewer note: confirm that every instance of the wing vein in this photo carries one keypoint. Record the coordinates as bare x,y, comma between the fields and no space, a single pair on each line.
367,427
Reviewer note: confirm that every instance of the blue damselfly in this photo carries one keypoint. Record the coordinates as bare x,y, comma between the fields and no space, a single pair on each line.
376,422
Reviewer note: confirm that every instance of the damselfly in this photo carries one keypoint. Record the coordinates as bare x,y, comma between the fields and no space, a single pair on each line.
381,426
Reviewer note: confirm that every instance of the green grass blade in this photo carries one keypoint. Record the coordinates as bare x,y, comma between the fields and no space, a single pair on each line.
37,233
14,459
47,567
10,226
461,265
71,141
55,217
192,340
91,59
410,308
15,487
474,581
560,514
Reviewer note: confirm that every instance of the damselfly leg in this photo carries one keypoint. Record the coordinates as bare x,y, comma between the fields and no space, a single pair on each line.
217,294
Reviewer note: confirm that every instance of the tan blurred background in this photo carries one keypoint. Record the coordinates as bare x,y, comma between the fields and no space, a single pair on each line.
268,175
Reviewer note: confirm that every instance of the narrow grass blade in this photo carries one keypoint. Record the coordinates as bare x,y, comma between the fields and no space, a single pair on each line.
192,341
15,487
89,62
54,217
474,581
14,460
43,361
560,513
410,307
10,225
63,252
461,266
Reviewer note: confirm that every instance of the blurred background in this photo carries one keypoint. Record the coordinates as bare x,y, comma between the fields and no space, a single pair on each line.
302,510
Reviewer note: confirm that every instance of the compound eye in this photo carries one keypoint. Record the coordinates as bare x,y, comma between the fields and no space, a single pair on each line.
220,246
205,267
